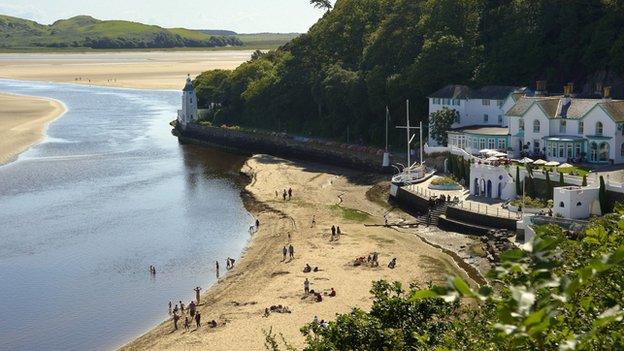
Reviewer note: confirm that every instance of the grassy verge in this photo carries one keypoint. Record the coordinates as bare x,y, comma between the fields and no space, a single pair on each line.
351,214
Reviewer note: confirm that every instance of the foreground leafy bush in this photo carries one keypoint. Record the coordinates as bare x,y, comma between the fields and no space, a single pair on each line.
560,294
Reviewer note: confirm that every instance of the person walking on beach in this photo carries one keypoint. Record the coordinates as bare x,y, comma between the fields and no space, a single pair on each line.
169,307
338,232
306,286
198,319
333,229
257,224
217,268
197,290
284,194
175,321
289,193
313,221
175,310
181,307
291,250
284,252
191,308
186,324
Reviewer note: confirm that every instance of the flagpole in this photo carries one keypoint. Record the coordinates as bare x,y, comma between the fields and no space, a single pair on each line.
409,155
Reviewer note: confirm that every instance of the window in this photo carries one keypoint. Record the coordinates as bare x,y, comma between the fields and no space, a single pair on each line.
501,144
456,102
536,126
569,149
500,119
457,118
491,144
561,150
577,149
561,204
500,103
485,118
536,146
521,124
598,128
481,144
191,99
485,102
447,101
562,126
578,204
581,127
622,150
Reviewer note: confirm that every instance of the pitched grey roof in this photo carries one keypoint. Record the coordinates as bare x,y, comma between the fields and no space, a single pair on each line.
453,92
553,107
492,92
482,130
615,109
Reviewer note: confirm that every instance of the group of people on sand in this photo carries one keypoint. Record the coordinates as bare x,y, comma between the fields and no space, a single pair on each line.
308,268
180,312
286,194
318,297
276,309
335,233
322,323
373,261
288,250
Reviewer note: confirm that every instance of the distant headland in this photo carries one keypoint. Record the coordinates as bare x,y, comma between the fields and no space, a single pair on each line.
86,33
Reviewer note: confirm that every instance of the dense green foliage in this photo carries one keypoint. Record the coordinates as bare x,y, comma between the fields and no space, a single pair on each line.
441,122
564,293
363,55
88,32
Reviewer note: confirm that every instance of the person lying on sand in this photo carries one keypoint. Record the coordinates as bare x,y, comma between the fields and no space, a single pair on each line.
392,263
332,293
307,268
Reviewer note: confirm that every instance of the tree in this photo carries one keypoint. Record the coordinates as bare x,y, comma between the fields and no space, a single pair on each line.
549,186
602,197
518,185
561,182
440,122
322,4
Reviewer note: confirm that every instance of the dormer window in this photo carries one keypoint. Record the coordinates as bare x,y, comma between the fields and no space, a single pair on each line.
562,126
521,124
485,102
536,126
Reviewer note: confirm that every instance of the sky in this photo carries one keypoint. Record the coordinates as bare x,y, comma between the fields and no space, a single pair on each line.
242,16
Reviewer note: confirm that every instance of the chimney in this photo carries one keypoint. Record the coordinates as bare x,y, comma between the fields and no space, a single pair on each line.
568,89
606,93
540,86
598,89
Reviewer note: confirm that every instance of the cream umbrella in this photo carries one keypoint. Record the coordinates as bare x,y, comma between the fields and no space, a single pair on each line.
565,165
526,160
552,164
540,162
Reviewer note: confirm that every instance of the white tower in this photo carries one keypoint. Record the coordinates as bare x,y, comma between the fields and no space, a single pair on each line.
188,113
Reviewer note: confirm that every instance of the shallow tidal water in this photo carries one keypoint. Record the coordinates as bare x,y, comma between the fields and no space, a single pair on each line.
84,213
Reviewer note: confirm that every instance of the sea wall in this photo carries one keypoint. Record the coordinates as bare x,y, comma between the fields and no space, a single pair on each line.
350,156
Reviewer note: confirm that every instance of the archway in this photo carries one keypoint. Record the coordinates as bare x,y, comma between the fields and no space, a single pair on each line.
476,187
489,189
603,156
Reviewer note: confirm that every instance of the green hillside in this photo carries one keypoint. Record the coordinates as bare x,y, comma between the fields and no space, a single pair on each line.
336,80
266,40
88,32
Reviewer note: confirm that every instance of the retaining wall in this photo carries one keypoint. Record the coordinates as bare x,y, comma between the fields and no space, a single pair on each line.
249,142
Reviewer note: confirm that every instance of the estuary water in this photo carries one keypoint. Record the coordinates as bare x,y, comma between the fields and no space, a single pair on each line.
83,215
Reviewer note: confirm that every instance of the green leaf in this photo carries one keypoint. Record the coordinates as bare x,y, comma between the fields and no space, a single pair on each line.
512,255
423,294
462,287
535,317
617,257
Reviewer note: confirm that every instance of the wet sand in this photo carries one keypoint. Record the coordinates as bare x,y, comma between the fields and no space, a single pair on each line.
23,120
141,69
261,278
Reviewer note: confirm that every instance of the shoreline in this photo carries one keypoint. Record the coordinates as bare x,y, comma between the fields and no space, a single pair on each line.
260,279
24,121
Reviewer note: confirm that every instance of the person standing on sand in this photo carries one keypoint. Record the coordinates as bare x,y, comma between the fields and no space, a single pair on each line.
291,250
197,290
284,252
170,307
276,193
313,221
181,307
217,268
338,232
198,319
289,193
186,323
333,229
284,194
191,308
306,286
175,321
257,224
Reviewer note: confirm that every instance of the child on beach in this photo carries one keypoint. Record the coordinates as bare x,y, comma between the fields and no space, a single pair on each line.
306,286
186,323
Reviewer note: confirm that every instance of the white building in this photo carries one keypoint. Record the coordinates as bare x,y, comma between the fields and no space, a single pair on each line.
568,129
576,202
188,113
492,182
484,107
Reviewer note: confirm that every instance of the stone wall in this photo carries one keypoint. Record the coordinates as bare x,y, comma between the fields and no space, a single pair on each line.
282,146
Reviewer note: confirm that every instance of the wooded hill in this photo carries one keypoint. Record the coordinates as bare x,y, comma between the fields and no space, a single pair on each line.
88,32
366,54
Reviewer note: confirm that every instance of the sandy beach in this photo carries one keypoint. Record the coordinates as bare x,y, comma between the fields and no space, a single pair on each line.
23,120
261,278
140,69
